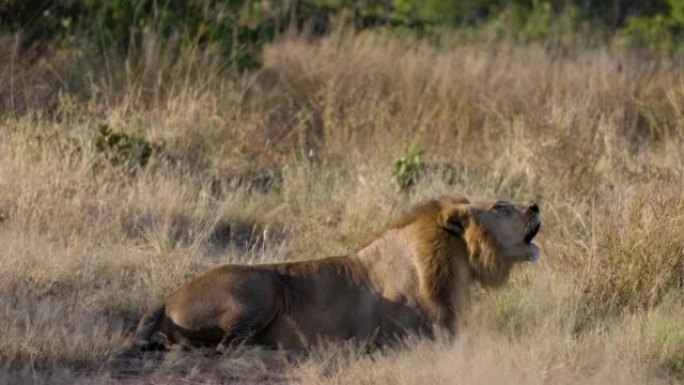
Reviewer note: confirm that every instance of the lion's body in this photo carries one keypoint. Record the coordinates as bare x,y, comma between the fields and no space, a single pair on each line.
412,279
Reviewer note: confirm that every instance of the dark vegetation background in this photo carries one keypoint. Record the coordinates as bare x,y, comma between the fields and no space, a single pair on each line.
238,28
80,40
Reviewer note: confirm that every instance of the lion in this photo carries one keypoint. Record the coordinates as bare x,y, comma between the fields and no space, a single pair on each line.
412,279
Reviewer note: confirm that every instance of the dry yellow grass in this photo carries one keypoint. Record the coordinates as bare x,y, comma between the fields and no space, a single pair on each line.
295,161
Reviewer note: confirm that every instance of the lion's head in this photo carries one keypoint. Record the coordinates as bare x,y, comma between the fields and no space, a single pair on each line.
497,234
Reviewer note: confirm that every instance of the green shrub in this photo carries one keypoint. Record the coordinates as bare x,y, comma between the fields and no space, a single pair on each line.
104,25
660,32
121,148
407,168
653,32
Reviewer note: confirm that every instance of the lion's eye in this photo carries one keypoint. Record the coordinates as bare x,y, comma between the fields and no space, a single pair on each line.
501,206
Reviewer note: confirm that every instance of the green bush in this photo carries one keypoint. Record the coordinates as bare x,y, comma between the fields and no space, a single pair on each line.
660,32
121,148
653,32
407,168
104,25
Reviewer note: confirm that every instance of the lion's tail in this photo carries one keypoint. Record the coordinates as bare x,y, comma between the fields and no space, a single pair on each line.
148,325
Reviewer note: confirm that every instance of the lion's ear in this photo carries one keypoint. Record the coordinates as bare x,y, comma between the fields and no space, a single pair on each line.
455,220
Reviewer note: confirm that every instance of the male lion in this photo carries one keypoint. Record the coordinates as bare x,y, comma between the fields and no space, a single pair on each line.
412,279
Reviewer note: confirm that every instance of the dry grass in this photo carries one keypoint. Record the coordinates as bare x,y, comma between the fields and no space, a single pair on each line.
295,161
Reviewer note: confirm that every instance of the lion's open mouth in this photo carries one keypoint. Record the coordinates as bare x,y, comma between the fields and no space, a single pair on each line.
532,229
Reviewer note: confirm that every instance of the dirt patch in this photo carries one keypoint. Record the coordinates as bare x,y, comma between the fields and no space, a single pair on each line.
244,365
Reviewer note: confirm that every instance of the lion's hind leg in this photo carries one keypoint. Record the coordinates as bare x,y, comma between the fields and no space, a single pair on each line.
148,326
241,327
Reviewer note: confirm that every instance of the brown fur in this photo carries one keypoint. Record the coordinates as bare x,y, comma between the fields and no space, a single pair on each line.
412,279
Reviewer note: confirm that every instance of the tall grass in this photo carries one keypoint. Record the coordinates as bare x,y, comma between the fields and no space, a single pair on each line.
295,161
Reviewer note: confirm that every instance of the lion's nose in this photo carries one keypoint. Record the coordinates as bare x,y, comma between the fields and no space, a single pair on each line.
534,208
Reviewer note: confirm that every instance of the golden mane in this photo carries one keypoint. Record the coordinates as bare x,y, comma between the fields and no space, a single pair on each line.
438,267
485,259
428,210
